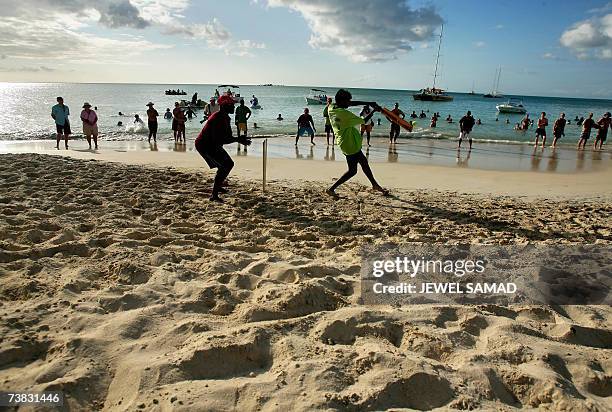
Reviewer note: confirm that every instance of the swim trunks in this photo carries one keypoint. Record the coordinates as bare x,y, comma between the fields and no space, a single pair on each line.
63,128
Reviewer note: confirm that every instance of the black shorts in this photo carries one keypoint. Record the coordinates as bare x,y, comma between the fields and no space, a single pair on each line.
152,127
215,157
328,128
602,136
558,135
540,131
585,135
63,129
178,126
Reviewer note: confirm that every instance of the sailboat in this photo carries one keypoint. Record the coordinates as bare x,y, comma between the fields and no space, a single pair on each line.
495,94
472,92
434,94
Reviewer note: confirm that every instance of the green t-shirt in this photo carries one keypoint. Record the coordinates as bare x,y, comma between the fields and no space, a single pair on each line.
241,114
326,115
344,123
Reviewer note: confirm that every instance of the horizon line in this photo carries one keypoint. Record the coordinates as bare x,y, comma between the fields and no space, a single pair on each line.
295,85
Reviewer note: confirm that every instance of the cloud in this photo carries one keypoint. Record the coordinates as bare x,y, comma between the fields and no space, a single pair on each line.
550,56
51,40
590,38
52,29
499,26
365,30
122,14
31,69
479,44
216,37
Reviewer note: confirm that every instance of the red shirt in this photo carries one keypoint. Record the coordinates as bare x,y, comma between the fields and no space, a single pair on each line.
217,131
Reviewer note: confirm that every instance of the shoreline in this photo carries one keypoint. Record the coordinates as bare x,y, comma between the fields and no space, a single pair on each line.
437,170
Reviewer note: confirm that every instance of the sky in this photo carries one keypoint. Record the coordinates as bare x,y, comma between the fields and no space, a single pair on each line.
546,48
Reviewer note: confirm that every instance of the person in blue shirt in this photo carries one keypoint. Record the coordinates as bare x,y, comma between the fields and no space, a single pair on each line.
60,113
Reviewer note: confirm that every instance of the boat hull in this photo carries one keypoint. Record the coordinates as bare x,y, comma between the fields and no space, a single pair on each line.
432,98
511,110
311,100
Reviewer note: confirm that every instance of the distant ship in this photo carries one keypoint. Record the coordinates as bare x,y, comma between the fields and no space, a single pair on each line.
434,94
495,93
472,92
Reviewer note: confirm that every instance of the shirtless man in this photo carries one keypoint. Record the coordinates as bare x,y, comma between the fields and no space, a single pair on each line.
558,129
541,130
602,133
587,125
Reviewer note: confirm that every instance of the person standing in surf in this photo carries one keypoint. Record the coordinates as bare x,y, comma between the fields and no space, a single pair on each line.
348,138
152,121
243,114
328,128
395,128
541,130
602,133
587,125
218,132
60,113
466,123
558,129
366,127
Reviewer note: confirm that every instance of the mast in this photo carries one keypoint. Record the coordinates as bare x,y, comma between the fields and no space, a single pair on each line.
494,91
498,79
438,56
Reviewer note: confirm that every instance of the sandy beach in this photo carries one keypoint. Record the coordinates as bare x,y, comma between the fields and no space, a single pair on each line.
125,288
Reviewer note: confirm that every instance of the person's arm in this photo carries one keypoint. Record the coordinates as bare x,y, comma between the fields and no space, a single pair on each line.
361,103
311,120
248,113
52,114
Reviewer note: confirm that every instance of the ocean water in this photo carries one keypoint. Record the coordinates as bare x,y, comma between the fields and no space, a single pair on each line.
25,110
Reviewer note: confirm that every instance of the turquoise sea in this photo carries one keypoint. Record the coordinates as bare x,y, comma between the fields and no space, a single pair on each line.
25,110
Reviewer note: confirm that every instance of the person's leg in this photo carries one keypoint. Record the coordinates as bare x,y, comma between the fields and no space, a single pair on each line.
312,138
470,140
95,139
543,141
460,140
365,166
59,137
88,137
66,135
226,164
352,161
297,137
368,137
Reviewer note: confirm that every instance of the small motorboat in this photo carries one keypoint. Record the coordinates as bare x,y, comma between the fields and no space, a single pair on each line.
513,105
175,93
317,96
229,92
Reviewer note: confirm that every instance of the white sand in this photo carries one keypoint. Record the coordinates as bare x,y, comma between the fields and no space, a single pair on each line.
122,286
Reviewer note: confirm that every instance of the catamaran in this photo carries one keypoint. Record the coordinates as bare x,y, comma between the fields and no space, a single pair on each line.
434,94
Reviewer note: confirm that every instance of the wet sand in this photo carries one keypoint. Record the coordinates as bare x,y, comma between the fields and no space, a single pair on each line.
497,169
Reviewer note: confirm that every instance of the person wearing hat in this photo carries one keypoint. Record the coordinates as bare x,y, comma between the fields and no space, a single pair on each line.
603,125
152,121
90,124
218,132
60,113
